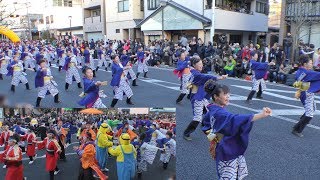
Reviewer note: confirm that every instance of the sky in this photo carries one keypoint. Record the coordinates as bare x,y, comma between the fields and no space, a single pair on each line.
35,7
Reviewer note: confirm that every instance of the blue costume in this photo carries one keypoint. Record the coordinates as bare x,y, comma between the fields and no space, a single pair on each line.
199,99
119,82
259,70
235,130
312,79
91,98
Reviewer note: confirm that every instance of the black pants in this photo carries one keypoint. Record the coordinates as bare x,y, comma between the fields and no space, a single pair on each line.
85,174
51,173
31,158
304,120
23,148
62,154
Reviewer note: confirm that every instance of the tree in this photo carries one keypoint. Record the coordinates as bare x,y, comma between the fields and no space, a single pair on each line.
7,12
300,14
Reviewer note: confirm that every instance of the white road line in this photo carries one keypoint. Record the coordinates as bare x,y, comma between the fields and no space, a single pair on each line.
41,157
275,116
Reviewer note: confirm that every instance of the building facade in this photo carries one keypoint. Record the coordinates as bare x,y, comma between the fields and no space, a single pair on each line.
94,19
62,18
122,17
241,21
306,15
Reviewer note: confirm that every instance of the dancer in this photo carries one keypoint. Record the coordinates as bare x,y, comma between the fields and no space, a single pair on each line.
12,157
125,61
91,95
307,81
28,60
142,66
61,134
3,65
45,83
169,146
88,162
101,59
228,133
88,60
104,141
126,158
184,74
71,69
15,69
62,57
199,98
119,82
30,137
76,53
52,153
259,70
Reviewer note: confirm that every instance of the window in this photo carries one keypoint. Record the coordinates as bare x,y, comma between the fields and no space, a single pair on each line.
67,3
236,6
207,4
261,7
51,18
117,30
123,6
47,20
141,5
57,2
96,12
153,4
154,37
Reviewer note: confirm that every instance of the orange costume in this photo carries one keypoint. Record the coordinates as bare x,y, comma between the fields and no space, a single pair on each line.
52,153
31,148
84,132
87,152
130,132
12,157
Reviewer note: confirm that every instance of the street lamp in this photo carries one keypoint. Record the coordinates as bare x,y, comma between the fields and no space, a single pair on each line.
163,3
70,17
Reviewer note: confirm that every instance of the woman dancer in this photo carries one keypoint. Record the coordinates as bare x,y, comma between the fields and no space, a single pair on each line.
183,72
119,82
199,98
228,133
91,96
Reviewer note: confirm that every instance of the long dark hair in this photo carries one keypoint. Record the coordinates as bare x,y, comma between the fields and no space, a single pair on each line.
213,88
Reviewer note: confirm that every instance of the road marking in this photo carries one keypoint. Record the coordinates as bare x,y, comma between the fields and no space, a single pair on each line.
275,116
271,94
41,157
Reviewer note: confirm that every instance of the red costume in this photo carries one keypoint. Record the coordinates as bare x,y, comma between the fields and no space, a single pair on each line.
12,157
31,148
52,153
4,138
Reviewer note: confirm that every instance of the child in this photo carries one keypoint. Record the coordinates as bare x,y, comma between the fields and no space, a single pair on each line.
12,157
30,137
199,98
228,133
308,83
142,66
184,74
119,82
52,153
44,82
169,148
15,69
92,93
71,69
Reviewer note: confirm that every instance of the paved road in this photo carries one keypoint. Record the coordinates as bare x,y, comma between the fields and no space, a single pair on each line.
145,95
273,153
70,168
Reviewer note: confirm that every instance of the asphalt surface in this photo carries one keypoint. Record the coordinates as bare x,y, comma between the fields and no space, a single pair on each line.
145,94
273,152
70,168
